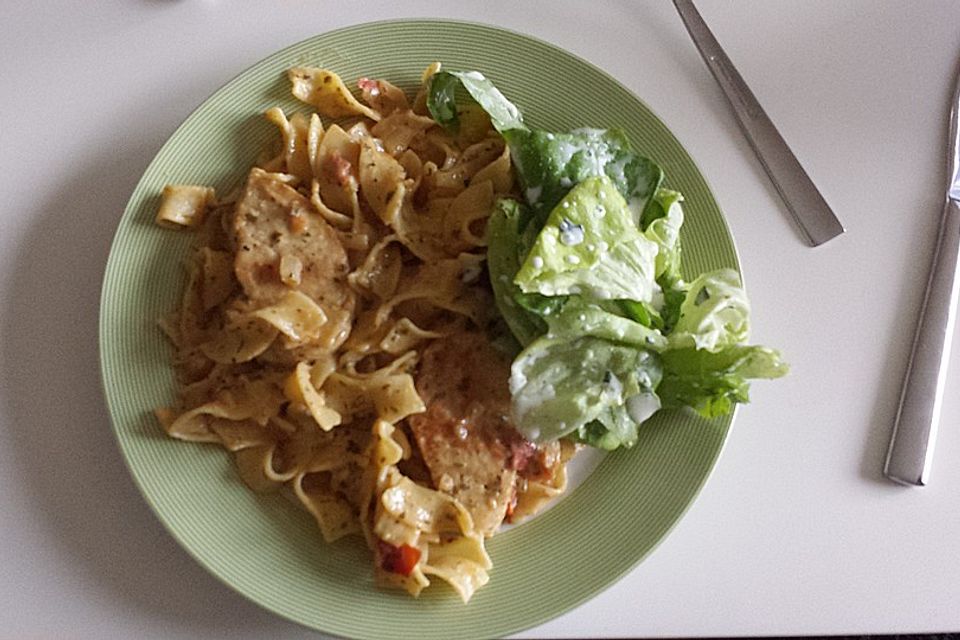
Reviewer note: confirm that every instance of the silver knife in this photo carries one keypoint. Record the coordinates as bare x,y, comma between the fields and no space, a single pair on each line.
811,212
915,428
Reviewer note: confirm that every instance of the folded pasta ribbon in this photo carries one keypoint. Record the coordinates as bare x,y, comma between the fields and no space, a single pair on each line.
403,513
326,91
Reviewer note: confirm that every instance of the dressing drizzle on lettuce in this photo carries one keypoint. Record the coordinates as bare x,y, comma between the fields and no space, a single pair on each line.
586,271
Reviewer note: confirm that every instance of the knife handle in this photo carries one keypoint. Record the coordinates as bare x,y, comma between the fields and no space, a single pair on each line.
918,415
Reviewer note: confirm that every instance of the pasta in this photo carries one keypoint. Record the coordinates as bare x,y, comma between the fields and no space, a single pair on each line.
184,205
337,336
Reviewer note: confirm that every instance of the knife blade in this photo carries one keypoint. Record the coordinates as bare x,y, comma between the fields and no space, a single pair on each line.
918,414
809,209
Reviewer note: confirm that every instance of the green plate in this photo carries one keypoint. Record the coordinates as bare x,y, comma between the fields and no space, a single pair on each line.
267,548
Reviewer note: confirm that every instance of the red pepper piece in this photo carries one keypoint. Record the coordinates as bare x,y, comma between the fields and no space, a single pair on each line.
400,559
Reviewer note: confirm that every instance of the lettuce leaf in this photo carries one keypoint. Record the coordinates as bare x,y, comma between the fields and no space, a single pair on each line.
503,262
587,276
663,228
560,385
590,246
715,313
579,318
642,312
442,100
549,164
673,296
619,426
712,382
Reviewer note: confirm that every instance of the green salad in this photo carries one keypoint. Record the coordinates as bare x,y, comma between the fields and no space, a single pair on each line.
586,271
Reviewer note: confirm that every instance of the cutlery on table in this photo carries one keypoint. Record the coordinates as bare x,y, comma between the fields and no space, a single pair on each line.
808,208
918,415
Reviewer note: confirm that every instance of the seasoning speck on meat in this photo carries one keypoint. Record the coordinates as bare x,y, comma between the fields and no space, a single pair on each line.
274,224
466,437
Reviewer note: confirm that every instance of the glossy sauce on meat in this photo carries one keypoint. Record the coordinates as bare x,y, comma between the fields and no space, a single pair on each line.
466,437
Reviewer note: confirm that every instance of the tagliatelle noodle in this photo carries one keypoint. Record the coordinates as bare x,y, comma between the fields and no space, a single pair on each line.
266,369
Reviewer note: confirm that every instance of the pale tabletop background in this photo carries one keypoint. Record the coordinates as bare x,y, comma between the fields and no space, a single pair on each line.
795,533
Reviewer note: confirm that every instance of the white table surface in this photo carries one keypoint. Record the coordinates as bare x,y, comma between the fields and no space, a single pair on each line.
796,532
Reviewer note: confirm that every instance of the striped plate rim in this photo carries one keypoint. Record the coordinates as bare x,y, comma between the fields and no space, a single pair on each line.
266,548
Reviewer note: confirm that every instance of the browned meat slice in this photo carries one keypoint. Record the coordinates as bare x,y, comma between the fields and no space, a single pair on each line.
467,440
282,244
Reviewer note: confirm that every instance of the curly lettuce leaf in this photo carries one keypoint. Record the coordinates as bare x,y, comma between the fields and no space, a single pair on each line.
590,246
715,313
661,224
712,382
588,277
559,385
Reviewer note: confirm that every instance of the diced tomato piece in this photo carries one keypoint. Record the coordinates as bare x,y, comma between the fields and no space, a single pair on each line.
522,453
529,460
512,505
339,167
366,84
400,559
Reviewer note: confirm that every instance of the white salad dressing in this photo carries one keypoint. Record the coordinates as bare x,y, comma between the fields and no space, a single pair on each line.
635,205
563,151
533,194
571,234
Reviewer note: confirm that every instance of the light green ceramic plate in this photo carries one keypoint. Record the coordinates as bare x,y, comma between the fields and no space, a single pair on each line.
268,549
